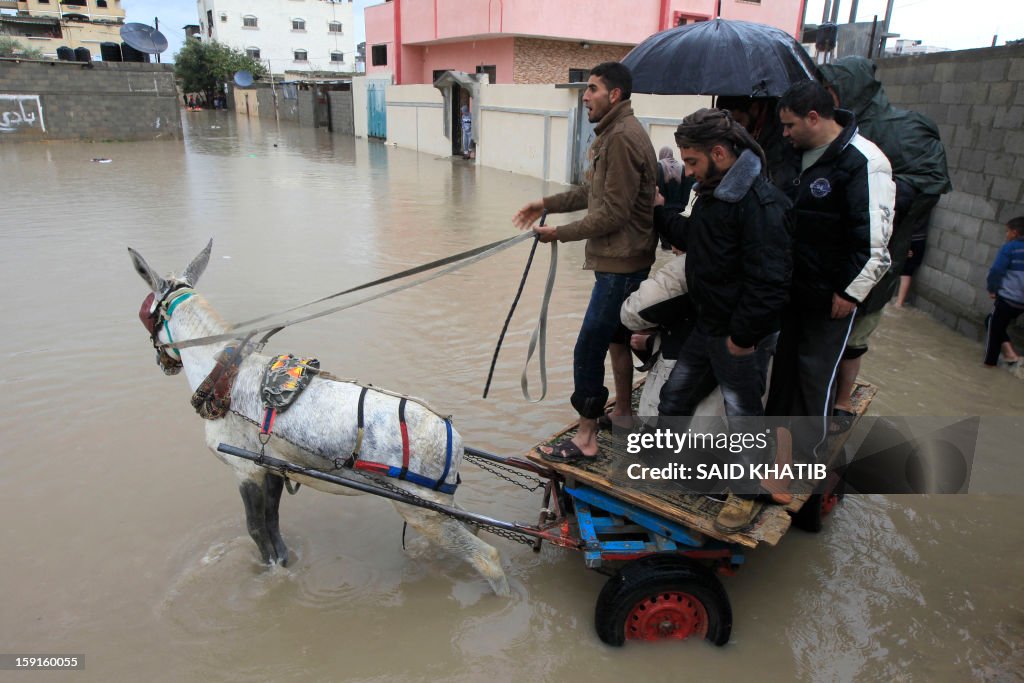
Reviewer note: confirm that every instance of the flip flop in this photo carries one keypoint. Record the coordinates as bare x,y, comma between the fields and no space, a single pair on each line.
841,421
566,452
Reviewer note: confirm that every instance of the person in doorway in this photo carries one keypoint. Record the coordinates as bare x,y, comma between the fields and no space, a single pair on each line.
673,185
738,268
842,211
911,143
618,194
466,120
1006,286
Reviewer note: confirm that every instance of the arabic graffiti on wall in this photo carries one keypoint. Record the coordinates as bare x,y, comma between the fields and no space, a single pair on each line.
20,111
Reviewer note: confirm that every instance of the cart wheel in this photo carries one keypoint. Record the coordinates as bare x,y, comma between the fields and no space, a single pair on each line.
663,600
811,516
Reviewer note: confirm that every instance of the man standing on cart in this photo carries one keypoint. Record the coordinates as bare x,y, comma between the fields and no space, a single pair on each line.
619,197
738,268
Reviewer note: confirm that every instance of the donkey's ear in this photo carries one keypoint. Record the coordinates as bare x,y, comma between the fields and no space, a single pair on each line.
198,265
155,282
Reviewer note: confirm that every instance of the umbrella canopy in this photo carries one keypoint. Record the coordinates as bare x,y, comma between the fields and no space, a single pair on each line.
144,38
719,57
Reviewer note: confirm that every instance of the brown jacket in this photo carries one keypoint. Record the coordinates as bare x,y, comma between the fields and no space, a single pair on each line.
619,196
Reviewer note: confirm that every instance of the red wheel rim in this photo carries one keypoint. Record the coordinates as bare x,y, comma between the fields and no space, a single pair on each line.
828,502
667,616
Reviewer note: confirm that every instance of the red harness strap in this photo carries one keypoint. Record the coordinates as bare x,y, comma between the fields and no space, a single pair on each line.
405,439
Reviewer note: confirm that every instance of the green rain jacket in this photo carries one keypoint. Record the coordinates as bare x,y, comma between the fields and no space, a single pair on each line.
910,140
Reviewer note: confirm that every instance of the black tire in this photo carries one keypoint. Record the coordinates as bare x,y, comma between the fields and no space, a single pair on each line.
663,598
811,517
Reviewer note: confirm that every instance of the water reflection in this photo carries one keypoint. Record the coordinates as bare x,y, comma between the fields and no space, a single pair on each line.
128,538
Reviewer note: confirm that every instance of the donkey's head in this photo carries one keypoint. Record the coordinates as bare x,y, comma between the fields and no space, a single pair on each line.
156,308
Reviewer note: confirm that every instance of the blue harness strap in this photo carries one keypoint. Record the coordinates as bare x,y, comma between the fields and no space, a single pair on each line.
447,455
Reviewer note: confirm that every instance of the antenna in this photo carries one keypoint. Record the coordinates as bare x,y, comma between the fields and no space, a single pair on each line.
144,38
243,79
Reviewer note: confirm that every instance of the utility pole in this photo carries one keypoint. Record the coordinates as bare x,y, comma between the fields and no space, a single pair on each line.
156,25
885,29
853,12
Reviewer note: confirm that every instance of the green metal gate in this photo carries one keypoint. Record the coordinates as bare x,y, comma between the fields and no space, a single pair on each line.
376,110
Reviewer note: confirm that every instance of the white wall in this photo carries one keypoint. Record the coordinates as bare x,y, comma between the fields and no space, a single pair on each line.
415,119
275,37
524,129
360,118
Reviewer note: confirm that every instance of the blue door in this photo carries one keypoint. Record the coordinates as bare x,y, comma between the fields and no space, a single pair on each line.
377,113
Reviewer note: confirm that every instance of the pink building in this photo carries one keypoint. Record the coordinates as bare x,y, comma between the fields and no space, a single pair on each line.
535,41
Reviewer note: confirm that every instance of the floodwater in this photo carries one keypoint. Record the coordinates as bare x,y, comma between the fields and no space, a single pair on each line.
124,537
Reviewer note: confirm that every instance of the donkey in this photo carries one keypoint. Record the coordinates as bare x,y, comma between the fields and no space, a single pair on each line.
329,422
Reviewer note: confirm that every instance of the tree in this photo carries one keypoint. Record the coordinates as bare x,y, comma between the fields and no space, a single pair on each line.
11,47
205,66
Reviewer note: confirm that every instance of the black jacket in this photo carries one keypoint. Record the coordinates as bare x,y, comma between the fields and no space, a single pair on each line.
738,261
842,215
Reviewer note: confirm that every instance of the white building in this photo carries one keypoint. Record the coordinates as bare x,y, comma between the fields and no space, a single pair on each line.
294,35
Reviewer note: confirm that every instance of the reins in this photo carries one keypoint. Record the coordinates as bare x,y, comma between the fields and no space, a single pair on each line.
453,263
458,262
539,332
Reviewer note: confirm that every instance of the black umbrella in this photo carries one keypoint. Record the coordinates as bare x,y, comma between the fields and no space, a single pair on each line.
719,57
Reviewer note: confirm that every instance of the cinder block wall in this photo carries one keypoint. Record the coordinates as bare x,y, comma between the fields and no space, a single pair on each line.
342,119
93,101
977,99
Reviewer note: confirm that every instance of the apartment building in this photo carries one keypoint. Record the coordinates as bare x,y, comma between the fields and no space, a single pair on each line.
50,24
293,36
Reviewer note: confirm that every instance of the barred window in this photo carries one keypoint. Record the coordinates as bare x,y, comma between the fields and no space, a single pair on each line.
252,52
337,56
298,24
250,21
334,27
300,55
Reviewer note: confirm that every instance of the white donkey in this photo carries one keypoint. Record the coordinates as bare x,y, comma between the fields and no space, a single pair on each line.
320,430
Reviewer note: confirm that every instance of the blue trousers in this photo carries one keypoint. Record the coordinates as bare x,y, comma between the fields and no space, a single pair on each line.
601,327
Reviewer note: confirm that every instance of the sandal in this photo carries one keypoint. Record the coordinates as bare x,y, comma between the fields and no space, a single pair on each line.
566,452
841,421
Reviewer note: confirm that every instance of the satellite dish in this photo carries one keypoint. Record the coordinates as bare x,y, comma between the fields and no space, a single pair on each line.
243,79
144,38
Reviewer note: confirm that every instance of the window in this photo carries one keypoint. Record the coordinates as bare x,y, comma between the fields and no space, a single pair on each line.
491,71
379,55
250,21
76,3
334,26
298,24
300,55
223,17
687,19
101,3
337,56
252,52
579,75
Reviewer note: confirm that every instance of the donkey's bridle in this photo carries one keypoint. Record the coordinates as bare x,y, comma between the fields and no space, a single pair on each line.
152,316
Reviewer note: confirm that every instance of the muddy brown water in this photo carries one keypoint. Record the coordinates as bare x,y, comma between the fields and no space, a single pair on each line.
124,537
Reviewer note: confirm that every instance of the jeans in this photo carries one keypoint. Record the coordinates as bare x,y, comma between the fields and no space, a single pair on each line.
704,361
601,327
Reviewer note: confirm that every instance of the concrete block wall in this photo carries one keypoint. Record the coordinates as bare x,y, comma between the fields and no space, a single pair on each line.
976,97
342,119
548,61
90,101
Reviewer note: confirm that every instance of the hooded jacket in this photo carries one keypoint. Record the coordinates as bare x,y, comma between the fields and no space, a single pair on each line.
618,195
910,140
738,259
